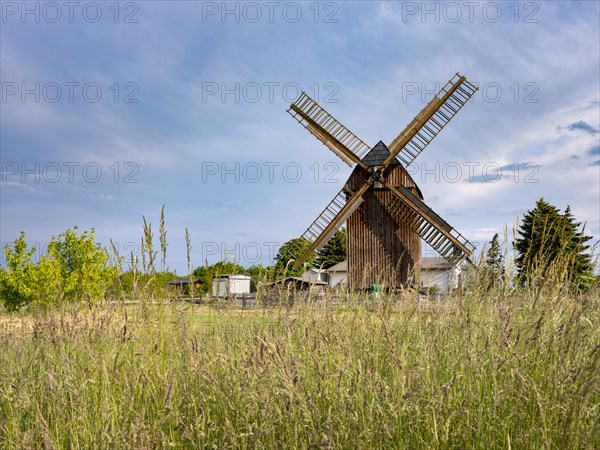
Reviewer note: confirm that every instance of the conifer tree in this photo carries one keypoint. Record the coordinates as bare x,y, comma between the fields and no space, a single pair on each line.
581,268
548,239
493,269
334,251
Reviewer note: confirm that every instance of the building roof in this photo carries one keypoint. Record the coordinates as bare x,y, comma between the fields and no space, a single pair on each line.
377,155
435,263
339,267
232,275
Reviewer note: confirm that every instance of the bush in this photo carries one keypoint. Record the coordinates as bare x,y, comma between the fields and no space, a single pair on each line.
16,280
75,269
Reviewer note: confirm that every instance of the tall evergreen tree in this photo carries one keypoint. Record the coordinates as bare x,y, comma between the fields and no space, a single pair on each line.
334,251
538,237
581,267
548,239
493,269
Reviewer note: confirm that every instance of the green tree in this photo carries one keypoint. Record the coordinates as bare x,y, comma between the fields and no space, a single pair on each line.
551,240
83,265
581,267
47,281
261,274
289,253
205,275
16,287
128,281
227,267
334,251
493,267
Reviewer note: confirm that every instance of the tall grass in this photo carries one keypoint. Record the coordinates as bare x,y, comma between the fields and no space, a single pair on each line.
500,367
480,371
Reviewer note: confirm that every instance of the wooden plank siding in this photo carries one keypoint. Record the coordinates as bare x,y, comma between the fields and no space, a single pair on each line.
381,249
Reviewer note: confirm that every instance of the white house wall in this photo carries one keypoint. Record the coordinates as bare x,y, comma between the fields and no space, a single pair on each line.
219,288
239,286
337,278
439,278
231,285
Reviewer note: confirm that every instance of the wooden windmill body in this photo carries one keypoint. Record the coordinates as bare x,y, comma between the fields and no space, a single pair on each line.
386,217
381,248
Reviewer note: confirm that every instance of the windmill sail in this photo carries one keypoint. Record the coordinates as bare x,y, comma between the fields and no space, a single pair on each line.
331,219
434,230
345,144
431,120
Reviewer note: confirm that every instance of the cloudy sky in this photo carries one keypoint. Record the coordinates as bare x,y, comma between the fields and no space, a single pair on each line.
111,110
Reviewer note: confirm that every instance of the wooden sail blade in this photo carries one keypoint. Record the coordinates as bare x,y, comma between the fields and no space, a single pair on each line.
431,120
328,130
330,220
434,230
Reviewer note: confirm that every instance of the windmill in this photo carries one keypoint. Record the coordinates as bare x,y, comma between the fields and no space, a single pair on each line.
381,204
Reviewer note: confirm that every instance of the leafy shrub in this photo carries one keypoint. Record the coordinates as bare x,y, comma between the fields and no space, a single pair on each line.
15,281
75,269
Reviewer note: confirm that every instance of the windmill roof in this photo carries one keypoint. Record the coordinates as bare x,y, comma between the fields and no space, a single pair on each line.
377,155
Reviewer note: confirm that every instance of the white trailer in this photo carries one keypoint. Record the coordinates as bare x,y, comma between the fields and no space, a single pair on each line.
229,285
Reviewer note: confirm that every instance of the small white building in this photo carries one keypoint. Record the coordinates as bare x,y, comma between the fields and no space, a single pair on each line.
438,273
231,285
435,272
313,274
335,277
338,275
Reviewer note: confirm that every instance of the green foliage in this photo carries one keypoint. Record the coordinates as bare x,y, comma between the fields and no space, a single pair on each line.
47,282
262,274
493,268
205,274
74,269
581,267
289,253
16,287
227,267
82,265
129,281
551,243
334,251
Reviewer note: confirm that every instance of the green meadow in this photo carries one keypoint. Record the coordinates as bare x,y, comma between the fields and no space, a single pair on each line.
476,370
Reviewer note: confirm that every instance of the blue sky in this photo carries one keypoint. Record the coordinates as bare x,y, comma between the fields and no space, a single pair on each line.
111,110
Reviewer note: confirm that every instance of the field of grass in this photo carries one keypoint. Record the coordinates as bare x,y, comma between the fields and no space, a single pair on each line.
472,371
